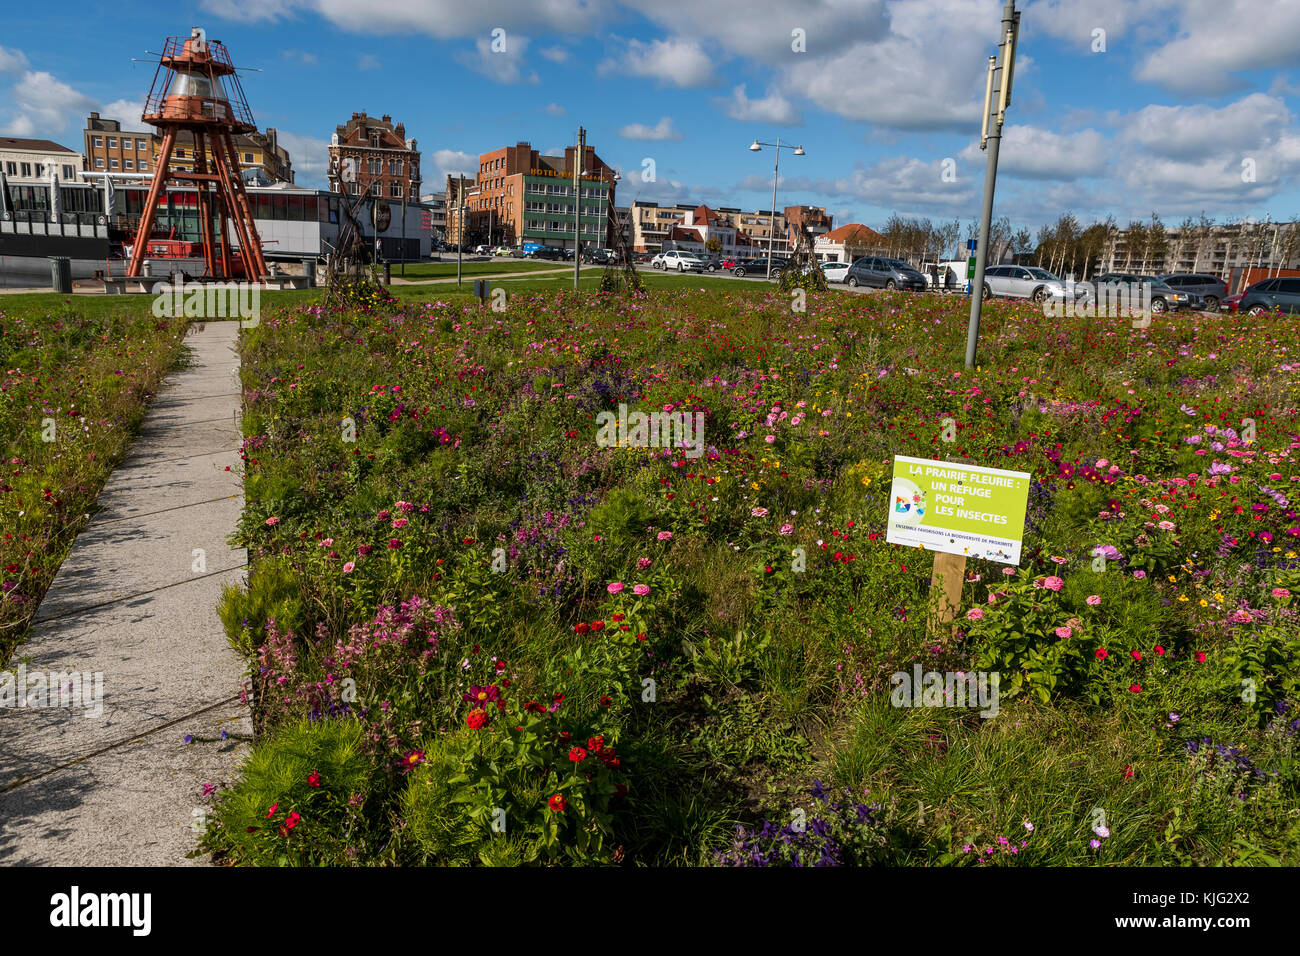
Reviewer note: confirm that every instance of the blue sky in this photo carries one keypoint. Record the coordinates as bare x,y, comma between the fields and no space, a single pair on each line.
1156,113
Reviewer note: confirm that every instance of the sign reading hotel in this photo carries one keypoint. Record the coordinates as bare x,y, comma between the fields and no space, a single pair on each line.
959,509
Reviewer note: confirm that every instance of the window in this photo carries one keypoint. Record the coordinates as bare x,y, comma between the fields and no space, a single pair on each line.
40,170
112,163
68,172
374,190
1289,286
99,163
396,191
96,141
128,164
112,142
140,146
27,170
180,153
1268,285
248,157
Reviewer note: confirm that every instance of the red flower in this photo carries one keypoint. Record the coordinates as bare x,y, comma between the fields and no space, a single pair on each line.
596,744
620,791
1128,771
313,779
641,636
1102,653
582,628
1159,651
1135,688
270,813
1200,657
605,700
292,820
477,719
534,707
394,544
618,617
1136,655
597,625
577,755
557,802
558,698
501,665
625,627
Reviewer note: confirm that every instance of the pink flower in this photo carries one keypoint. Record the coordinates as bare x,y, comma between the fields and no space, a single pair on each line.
640,590
347,568
615,588
1281,593
1093,599
770,438
1166,526
272,522
1064,632
399,522
1053,583
664,536
1139,574
1008,571
787,529
758,512
642,563
975,613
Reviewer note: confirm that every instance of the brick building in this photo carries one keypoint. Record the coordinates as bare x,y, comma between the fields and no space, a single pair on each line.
381,159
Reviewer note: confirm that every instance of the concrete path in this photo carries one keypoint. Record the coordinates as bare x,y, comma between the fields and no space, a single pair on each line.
135,601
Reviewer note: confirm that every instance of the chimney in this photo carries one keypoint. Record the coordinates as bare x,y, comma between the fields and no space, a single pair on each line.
94,116
386,119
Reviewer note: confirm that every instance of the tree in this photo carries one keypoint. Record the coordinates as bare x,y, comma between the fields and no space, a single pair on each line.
713,244
1157,243
1135,238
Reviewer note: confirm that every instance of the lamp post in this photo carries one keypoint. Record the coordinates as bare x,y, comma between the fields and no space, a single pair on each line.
997,83
776,168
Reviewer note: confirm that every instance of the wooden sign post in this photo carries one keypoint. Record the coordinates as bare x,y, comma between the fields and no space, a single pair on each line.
947,578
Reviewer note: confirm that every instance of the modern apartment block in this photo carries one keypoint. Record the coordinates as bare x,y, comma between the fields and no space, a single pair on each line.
374,156
1213,249
31,161
456,185
523,197
752,232
814,218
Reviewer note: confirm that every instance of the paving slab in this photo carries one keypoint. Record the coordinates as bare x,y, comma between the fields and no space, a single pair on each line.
132,610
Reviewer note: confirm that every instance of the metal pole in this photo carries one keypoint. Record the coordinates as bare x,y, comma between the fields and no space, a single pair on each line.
771,222
460,227
1001,81
579,161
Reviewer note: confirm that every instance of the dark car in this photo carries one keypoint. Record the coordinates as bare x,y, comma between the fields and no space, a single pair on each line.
1164,298
1212,290
547,252
1281,294
757,267
884,273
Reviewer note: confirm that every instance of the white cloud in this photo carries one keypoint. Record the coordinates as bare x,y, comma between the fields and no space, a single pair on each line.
302,56
128,112
438,164
1217,38
368,61
553,109
40,102
660,131
310,157
773,109
556,54
1199,130
437,18
505,66
763,29
1034,153
673,62
12,61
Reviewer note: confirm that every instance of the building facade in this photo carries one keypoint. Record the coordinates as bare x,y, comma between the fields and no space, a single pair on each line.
522,197
111,149
1213,249
374,157
28,162
849,242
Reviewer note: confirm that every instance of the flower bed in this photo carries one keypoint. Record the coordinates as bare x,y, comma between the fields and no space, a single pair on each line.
557,648
73,388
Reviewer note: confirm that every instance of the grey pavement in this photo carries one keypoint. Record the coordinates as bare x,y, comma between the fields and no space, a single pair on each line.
135,600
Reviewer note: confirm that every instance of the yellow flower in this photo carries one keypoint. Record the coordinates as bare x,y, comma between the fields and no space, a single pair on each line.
865,482
1218,597
1204,603
1182,597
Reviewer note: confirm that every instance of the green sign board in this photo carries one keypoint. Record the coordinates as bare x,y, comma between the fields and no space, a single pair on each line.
970,268
960,509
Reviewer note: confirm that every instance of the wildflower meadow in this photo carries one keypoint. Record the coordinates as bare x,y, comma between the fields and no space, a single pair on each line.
479,632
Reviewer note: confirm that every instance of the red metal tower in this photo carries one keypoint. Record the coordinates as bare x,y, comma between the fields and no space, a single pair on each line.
188,93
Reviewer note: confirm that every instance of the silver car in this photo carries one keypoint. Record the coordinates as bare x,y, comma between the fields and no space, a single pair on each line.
1029,282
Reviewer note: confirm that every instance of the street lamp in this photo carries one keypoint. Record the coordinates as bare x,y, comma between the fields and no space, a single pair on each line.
778,146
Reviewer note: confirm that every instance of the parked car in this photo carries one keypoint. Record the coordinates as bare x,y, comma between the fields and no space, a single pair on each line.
1030,282
547,252
481,250
884,273
597,257
501,251
1281,294
835,271
757,267
679,261
1209,288
1163,297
